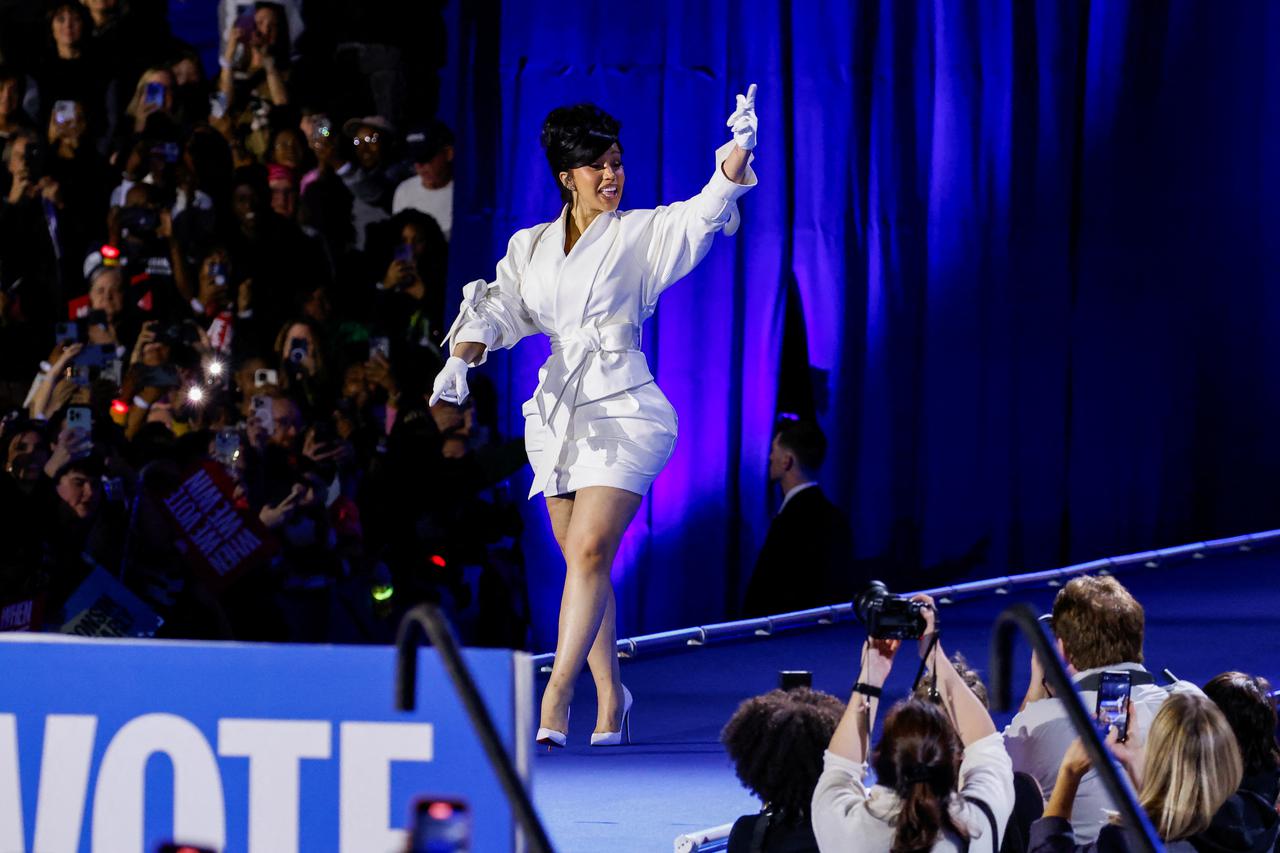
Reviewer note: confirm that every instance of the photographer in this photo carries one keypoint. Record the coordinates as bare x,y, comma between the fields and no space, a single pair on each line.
944,780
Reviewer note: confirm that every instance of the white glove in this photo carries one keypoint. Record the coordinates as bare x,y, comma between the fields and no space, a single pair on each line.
743,121
451,383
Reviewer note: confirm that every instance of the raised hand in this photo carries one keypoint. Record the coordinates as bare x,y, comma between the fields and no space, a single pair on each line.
743,120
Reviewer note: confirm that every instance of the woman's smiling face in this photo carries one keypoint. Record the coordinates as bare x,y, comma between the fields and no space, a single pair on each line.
597,186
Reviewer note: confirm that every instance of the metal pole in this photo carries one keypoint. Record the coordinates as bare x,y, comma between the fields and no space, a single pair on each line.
436,627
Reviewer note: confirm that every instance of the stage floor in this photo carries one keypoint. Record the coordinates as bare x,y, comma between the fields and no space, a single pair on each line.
1203,617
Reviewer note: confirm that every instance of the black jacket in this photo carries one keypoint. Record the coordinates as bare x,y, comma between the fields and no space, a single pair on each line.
806,560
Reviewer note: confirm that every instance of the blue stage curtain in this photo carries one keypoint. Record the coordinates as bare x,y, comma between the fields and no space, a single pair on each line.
1030,241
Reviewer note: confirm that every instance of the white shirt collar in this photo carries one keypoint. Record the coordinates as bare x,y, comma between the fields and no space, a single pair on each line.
795,490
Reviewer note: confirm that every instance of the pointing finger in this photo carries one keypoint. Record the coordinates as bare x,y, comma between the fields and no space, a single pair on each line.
751,96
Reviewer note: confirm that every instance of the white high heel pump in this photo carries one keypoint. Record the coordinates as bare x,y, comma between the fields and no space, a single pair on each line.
615,738
551,737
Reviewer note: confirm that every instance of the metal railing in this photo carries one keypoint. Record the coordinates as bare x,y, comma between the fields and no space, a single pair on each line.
767,625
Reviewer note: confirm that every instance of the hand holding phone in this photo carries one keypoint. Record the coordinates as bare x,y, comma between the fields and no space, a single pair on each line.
81,418
153,95
260,410
1114,689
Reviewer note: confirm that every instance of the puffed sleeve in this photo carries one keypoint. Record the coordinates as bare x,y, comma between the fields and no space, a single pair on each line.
839,792
494,313
679,235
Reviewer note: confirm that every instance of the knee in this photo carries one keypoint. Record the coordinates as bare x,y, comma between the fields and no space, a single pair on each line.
588,553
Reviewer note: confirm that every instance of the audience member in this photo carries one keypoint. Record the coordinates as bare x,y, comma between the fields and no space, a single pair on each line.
1246,702
1186,772
1099,627
430,190
776,742
927,754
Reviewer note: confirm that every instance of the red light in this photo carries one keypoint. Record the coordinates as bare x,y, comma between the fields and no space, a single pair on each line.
109,251
440,811
438,560
119,407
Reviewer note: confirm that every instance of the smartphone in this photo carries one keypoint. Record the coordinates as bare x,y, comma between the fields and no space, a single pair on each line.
226,446
264,377
260,408
154,94
382,346
113,372
163,376
79,375
322,129
80,417
298,349
67,333
790,679
96,355
113,489
440,825
64,112
167,151
218,274
404,252
1113,703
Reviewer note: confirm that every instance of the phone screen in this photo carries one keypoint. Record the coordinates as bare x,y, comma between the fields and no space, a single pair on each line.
1113,704
67,333
440,826
154,94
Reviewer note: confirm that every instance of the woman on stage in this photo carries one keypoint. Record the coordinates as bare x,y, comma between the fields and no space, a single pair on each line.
597,429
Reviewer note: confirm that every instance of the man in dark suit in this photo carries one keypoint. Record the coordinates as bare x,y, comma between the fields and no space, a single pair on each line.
807,558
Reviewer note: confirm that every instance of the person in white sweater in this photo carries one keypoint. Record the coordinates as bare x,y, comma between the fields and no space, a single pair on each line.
944,781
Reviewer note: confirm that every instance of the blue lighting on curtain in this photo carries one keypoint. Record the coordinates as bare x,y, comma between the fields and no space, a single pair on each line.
1031,242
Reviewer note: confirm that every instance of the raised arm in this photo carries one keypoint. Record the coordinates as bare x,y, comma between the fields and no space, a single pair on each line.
968,714
850,738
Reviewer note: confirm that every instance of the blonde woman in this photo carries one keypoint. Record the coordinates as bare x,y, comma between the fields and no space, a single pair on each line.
1188,768
153,94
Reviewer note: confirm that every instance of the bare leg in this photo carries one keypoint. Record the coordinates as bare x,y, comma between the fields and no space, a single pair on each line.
598,518
602,659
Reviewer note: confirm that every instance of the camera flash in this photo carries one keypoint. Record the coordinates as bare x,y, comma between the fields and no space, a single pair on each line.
195,394
215,368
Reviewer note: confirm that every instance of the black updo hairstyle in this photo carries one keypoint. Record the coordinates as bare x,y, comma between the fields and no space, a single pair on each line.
577,136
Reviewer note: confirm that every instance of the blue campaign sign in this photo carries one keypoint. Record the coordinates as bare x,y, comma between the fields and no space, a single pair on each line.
110,745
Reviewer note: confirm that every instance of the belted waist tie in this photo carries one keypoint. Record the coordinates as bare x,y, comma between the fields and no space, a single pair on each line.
577,350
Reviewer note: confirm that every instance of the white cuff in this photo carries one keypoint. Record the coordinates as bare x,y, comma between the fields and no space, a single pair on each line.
141,403
197,306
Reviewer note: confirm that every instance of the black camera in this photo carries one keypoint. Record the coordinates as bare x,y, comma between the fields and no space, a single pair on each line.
888,616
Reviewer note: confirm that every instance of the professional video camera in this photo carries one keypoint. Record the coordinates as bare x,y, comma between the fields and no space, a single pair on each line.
888,616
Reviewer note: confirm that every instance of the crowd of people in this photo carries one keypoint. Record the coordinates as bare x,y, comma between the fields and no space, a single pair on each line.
237,276
1204,763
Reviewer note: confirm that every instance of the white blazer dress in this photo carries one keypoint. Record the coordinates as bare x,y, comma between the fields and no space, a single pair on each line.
596,418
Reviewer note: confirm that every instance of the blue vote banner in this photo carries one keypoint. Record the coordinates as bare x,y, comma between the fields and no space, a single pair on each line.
120,745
